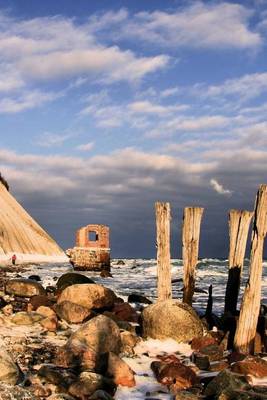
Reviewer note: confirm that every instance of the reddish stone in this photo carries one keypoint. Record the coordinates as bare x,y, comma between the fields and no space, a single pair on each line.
254,366
125,312
199,343
176,374
120,372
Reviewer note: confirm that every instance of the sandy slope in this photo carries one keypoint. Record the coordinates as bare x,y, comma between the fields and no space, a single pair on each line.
22,235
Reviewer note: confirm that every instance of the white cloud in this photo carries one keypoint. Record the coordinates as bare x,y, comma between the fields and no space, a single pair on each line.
146,107
48,139
219,188
26,101
86,146
217,25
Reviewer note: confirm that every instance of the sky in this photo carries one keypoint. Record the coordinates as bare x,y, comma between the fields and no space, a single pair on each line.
108,106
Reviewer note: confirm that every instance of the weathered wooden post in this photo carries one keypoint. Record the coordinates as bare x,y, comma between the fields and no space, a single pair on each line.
239,222
249,313
163,217
191,231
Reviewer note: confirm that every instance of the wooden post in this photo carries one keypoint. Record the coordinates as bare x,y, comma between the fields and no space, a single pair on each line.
163,217
239,222
249,313
191,230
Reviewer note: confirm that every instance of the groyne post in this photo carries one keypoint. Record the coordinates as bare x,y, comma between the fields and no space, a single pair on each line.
249,312
191,232
239,222
163,217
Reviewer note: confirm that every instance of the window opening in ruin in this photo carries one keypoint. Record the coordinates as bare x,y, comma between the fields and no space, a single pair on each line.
93,236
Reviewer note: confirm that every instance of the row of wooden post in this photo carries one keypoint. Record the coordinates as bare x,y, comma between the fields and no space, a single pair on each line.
239,223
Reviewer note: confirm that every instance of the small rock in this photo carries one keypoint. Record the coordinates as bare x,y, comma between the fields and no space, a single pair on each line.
254,366
125,312
138,298
201,360
26,318
50,323
200,342
41,300
105,274
100,395
129,341
120,372
46,311
174,373
35,278
120,262
7,310
24,287
213,352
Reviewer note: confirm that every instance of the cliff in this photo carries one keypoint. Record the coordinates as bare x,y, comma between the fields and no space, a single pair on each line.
20,234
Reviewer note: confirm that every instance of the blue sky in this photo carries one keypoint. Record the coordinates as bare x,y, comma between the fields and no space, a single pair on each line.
107,107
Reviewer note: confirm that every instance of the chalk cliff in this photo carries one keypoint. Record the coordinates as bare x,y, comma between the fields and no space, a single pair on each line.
20,234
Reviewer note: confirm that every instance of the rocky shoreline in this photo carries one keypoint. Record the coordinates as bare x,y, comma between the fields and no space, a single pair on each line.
77,339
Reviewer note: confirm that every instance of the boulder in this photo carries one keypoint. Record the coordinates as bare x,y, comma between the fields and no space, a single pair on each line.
46,311
200,342
72,278
88,383
88,295
26,318
9,371
73,313
171,319
11,392
226,382
24,287
120,372
60,396
50,323
100,334
129,341
125,312
100,395
41,300
138,298
61,377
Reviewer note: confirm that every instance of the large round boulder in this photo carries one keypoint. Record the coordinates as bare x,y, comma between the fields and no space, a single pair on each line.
100,334
24,287
171,319
72,278
88,296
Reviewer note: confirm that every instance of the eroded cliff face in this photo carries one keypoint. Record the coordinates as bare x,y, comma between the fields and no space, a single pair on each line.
22,235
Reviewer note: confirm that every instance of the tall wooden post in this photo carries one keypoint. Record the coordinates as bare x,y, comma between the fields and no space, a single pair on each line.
239,222
191,231
249,313
163,217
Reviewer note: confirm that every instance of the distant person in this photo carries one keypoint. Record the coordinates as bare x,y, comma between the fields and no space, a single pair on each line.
13,259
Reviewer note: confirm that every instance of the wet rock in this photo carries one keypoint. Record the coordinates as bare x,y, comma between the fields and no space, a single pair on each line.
171,319
24,287
9,371
35,278
88,383
72,278
26,318
174,373
73,313
138,298
125,312
120,372
225,383
105,274
41,300
254,366
91,296
120,262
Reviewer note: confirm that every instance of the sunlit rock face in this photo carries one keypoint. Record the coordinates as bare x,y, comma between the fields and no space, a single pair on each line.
21,235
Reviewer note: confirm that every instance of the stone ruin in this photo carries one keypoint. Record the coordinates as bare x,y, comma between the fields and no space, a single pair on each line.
91,251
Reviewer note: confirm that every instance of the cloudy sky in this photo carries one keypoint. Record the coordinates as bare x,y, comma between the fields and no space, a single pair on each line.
108,106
